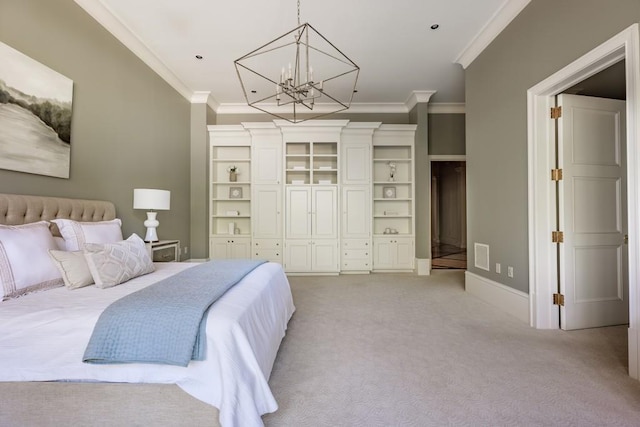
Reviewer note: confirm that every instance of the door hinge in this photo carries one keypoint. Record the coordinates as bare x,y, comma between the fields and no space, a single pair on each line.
556,112
558,299
557,236
556,174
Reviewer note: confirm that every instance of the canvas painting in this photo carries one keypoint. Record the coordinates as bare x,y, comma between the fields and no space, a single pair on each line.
35,116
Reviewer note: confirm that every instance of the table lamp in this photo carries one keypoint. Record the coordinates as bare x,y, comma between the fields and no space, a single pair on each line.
150,199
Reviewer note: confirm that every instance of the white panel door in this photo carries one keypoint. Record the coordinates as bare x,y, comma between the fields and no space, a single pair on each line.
356,163
297,256
325,212
267,162
383,250
404,253
239,248
218,248
592,194
356,212
298,212
324,255
266,205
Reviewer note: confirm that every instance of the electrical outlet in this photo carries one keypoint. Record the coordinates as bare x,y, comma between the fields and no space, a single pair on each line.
186,250
498,268
510,271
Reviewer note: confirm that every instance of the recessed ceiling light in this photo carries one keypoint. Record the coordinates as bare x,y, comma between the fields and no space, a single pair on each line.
435,26
198,56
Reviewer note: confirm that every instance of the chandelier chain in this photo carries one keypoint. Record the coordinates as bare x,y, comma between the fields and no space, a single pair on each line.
298,13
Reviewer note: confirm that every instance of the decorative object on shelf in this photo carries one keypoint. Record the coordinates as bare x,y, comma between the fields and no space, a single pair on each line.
389,192
233,173
392,171
232,228
235,192
233,213
151,199
288,92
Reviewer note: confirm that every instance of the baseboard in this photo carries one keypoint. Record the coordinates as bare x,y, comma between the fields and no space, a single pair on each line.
509,300
633,353
423,267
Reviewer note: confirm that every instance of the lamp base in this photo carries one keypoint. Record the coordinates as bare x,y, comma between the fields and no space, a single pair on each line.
151,223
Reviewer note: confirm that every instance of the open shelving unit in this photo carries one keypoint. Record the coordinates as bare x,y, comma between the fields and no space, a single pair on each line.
393,197
230,200
311,163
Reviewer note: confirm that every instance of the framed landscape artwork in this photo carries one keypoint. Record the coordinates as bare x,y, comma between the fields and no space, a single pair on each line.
35,116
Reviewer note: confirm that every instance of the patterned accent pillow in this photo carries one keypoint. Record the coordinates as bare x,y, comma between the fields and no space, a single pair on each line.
25,265
73,267
77,234
114,263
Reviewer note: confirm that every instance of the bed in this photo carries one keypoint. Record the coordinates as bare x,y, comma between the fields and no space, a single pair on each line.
44,334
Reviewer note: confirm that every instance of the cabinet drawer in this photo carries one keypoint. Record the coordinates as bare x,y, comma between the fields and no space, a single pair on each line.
267,244
356,254
355,264
273,255
165,254
348,244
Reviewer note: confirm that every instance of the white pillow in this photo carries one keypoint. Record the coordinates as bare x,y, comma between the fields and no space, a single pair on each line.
73,267
25,265
76,234
114,263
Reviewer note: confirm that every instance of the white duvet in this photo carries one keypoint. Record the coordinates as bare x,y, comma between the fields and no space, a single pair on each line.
43,337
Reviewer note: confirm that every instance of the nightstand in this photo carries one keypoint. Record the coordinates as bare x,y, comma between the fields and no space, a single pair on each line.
165,251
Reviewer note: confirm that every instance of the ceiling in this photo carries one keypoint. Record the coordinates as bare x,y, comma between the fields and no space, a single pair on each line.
392,42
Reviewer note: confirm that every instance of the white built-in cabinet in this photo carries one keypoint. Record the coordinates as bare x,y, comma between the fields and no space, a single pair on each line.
394,198
315,196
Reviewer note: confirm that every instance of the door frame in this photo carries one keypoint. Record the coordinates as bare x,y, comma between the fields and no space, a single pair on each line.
444,158
541,197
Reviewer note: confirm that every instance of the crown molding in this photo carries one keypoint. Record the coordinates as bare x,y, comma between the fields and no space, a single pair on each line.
113,24
498,22
200,97
417,97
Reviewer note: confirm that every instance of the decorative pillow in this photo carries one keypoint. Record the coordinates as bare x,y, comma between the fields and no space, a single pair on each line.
73,267
114,263
76,234
25,265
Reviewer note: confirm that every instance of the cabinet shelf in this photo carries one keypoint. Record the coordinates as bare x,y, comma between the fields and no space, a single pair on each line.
395,160
230,160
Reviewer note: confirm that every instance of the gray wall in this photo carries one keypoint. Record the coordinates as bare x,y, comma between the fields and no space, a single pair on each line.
545,37
446,134
199,224
129,128
419,116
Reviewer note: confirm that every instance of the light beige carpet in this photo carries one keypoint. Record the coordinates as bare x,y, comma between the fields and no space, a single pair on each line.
405,350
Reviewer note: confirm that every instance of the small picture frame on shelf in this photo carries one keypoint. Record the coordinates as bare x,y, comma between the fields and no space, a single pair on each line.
235,192
388,192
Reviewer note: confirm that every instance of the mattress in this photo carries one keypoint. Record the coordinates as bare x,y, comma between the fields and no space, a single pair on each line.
43,337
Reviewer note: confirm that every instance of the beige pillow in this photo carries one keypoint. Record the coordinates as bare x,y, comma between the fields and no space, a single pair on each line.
114,263
73,267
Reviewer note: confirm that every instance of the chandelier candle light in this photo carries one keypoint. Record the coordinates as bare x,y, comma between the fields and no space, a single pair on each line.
294,87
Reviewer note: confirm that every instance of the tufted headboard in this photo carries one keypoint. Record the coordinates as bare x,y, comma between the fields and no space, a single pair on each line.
16,209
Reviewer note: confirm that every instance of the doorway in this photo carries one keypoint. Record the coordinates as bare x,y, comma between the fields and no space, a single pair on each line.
448,214
543,269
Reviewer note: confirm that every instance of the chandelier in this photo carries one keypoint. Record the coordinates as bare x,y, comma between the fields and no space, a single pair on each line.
298,76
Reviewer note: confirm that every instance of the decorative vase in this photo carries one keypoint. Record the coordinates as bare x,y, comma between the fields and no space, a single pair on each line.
233,176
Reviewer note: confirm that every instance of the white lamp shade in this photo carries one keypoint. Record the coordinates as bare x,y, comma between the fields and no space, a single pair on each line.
147,198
